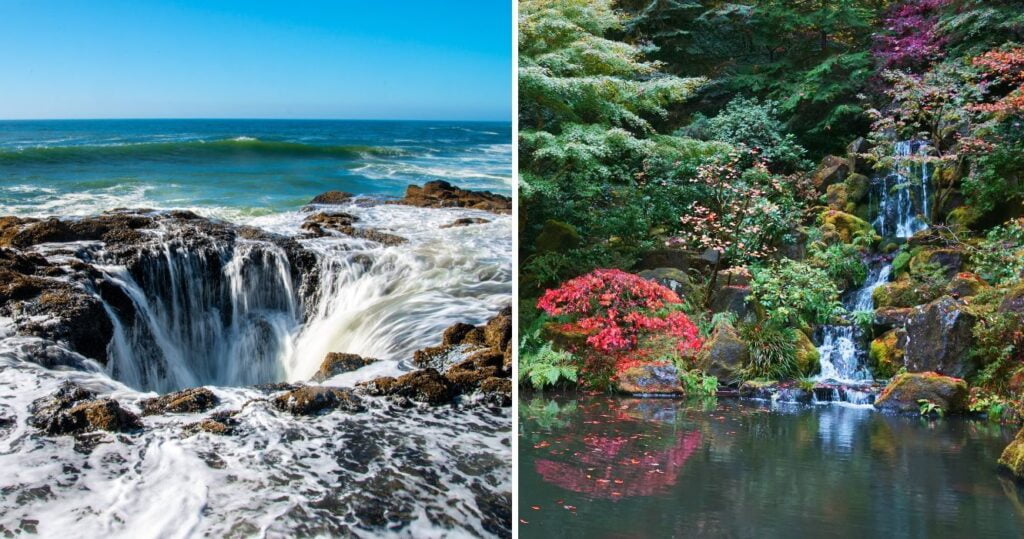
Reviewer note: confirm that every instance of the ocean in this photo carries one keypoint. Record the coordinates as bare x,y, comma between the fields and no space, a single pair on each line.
237,169
240,303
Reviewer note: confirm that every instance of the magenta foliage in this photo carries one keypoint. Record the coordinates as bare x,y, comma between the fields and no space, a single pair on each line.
910,39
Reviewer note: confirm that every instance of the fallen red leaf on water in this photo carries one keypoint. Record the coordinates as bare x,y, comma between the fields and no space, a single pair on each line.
570,507
523,521
618,481
535,507
540,445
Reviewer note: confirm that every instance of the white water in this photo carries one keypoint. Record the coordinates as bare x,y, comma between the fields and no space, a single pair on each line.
231,317
902,212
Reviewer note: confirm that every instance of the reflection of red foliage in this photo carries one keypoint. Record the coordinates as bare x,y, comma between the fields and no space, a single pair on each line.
612,467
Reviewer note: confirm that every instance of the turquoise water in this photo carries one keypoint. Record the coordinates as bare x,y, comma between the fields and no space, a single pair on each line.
600,466
237,168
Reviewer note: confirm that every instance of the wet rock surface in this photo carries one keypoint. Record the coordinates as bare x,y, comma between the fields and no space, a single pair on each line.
313,400
73,409
338,363
650,380
939,337
906,391
188,401
466,221
441,194
425,385
324,224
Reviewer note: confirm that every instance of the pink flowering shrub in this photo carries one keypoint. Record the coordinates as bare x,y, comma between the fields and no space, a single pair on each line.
910,40
627,320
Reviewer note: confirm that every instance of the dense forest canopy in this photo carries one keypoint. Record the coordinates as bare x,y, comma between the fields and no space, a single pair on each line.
753,142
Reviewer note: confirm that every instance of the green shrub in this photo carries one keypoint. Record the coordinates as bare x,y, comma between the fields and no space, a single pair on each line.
795,294
772,351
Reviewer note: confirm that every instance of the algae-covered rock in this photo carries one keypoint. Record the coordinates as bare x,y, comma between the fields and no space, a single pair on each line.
1013,302
844,227
836,196
557,236
659,380
187,401
965,285
424,385
950,260
901,293
758,389
808,359
1013,456
313,400
857,187
905,391
724,353
336,363
887,351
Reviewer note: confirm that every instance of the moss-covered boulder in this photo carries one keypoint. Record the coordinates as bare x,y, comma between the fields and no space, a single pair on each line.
724,353
857,187
808,359
563,336
963,217
557,236
965,284
650,380
905,391
901,293
836,196
1012,458
844,227
758,389
890,318
887,352
732,299
950,260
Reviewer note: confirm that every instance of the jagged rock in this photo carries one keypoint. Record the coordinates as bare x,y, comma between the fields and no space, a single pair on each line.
441,194
313,400
424,385
905,391
188,401
211,426
467,375
63,314
650,380
73,409
498,330
731,299
321,224
891,317
674,279
332,197
336,363
857,153
1012,457
466,221
940,335
887,352
456,333
724,354
832,170
556,236
497,391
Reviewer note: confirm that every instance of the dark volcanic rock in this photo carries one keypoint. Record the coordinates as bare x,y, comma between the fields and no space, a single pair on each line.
73,409
425,385
73,317
466,221
497,391
322,224
332,197
312,400
188,401
441,194
498,330
906,390
337,363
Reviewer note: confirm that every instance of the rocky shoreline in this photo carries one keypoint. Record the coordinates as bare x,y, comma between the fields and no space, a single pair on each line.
63,298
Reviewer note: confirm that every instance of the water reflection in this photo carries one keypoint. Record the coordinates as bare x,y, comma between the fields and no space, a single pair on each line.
646,467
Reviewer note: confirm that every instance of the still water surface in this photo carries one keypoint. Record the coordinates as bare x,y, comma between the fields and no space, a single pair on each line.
616,467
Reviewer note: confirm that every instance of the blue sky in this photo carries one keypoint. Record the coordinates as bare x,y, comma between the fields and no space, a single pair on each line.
395,59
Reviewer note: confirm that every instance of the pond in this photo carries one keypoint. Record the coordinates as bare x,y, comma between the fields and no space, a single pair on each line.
601,466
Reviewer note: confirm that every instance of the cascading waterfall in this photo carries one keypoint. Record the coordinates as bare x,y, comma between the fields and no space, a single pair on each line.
902,195
902,201
203,315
